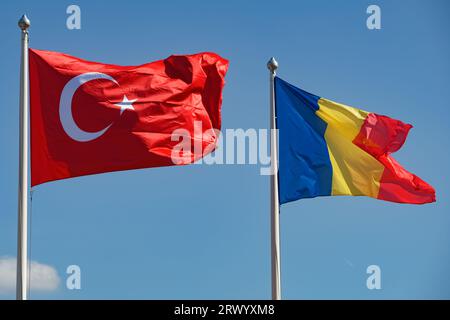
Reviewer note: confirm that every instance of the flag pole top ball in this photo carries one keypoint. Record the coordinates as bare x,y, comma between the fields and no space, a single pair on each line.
24,22
272,65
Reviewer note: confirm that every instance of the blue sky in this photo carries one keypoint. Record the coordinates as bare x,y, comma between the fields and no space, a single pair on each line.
202,232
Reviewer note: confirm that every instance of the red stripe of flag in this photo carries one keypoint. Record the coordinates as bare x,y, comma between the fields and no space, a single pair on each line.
380,136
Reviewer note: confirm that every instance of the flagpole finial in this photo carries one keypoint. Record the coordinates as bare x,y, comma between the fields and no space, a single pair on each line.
272,65
24,23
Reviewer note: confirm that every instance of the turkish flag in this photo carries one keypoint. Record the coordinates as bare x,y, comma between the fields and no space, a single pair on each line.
89,117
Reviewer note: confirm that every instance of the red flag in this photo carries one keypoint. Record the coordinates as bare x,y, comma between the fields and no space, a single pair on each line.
89,117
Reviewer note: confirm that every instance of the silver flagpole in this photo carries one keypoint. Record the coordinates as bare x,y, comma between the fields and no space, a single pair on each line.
22,239
272,65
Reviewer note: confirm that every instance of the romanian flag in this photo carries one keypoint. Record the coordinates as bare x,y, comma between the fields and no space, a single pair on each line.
328,149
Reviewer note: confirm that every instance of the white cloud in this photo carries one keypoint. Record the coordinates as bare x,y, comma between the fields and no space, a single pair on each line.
44,278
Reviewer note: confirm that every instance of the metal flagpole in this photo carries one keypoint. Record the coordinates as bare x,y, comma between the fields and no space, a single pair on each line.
22,239
272,65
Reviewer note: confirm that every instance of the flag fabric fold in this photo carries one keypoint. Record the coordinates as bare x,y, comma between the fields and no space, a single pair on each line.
88,117
327,148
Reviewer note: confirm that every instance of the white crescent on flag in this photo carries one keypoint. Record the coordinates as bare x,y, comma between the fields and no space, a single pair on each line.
65,106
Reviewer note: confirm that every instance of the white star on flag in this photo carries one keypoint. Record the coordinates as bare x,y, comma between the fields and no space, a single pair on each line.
125,104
